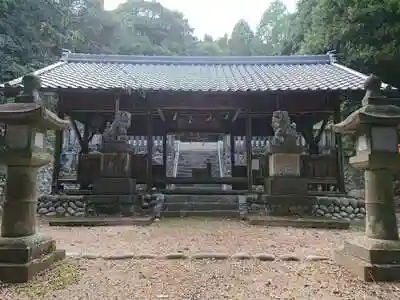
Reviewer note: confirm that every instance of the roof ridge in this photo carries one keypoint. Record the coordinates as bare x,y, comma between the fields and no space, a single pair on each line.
197,60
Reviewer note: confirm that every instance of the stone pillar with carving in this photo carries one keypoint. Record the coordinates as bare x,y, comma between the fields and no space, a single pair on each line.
286,190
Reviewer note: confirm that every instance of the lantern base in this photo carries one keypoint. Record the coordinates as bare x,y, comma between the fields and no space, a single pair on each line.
22,258
371,260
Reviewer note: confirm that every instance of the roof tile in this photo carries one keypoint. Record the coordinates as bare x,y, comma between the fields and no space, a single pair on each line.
275,73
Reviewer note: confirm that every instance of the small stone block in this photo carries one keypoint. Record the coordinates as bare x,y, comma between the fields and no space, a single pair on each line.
264,257
316,258
241,256
100,221
289,257
145,256
91,256
175,256
216,256
366,271
74,255
118,257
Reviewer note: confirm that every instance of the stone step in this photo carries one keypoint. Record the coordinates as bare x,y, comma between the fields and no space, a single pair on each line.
231,199
207,213
215,206
184,171
200,206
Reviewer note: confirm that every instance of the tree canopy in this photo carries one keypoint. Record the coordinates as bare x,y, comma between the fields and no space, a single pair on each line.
33,32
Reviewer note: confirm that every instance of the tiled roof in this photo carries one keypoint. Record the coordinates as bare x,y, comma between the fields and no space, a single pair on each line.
189,73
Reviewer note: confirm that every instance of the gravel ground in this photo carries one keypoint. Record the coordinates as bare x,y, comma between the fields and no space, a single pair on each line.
191,280
196,235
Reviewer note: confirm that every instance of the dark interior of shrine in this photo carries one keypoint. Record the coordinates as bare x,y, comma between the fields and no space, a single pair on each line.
158,113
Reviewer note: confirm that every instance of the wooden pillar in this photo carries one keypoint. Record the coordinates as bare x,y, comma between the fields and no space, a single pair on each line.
164,157
57,158
249,154
149,165
232,148
86,138
339,150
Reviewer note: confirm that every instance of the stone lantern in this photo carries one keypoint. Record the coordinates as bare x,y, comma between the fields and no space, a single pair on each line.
376,255
23,252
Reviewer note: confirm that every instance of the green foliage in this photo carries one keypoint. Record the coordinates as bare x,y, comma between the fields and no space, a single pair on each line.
273,30
363,32
242,39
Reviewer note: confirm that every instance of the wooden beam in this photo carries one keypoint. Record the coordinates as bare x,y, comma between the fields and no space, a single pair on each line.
86,136
78,133
161,114
57,158
164,149
232,146
149,165
108,111
194,108
337,118
236,115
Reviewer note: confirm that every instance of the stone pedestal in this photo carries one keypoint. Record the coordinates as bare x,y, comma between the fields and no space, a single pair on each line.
23,253
284,164
376,256
371,259
116,165
286,185
121,146
89,168
286,190
22,258
114,193
284,175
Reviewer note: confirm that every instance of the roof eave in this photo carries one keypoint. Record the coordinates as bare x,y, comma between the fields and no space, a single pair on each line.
361,75
17,82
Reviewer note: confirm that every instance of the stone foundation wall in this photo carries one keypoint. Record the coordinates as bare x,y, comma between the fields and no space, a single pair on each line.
340,208
337,208
61,206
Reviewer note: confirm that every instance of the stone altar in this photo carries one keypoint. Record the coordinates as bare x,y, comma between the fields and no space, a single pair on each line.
376,255
284,186
23,252
114,191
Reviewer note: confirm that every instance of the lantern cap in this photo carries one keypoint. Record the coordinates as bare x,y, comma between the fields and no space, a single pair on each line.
32,114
